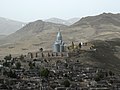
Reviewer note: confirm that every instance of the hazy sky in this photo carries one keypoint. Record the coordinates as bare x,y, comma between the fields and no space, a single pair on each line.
30,10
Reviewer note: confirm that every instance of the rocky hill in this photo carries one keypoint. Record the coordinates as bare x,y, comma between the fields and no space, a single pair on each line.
106,55
33,29
61,21
31,37
42,34
8,26
103,26
105,18
73,20
2,36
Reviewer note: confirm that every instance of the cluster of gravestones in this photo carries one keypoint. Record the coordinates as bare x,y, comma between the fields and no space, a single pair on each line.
42,55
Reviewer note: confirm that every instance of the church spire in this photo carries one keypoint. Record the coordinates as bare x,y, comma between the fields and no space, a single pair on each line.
59,36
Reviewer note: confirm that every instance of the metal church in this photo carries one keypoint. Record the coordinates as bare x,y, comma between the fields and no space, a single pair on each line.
58,44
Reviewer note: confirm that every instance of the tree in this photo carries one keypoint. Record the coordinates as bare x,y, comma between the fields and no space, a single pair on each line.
31,64
111,73
44,72
21,57
11,74
9,57
66,83
6,64
41,49
97,78
5,72
18,65
66,65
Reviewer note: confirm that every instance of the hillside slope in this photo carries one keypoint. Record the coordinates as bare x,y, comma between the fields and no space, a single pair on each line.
107,55
61,21
2,36
103,26
8,26
42,34
31,37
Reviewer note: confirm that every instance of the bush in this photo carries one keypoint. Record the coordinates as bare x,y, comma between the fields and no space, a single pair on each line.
9,57
66,83
111,73
97,79
21,57
31,65
44,72
18,65
6,64
11,74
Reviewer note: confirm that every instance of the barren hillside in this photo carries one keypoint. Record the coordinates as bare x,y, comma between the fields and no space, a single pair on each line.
8,26
42,34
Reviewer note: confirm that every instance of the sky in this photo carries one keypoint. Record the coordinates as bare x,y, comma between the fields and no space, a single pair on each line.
31,10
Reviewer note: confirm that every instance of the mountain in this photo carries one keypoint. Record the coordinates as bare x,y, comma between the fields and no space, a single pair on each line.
103,26
73,20
57,21
103,31
2,36
33,29
64,22
105,18
31,37
42,34
8,26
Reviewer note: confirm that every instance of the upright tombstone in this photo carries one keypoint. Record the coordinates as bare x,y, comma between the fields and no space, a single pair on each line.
80,45
61,54
67,55
48,54
30,55
52,55
42,55
56,54
36,54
